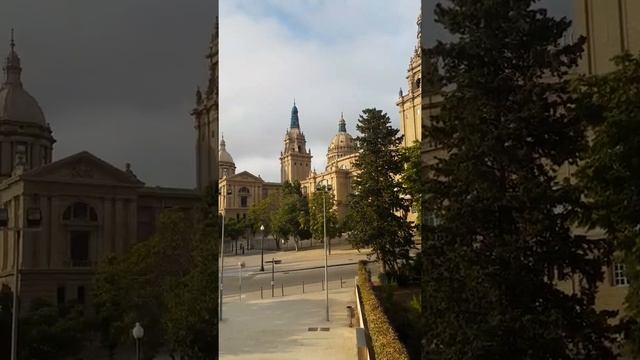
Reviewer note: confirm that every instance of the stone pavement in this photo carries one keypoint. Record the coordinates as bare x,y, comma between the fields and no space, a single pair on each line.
278,328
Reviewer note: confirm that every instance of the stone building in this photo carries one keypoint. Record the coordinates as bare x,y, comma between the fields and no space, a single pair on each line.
89,208
239,191
295,160
410,104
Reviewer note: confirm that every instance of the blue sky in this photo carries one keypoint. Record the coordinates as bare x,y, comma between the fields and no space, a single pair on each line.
331,55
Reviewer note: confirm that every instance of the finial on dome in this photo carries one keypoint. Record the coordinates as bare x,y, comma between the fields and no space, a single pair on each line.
13,43
223,144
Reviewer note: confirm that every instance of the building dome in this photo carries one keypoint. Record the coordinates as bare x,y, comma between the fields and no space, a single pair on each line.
223,154
342,143
16,104
226,166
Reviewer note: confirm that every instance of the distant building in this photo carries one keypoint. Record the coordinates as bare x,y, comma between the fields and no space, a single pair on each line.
90,209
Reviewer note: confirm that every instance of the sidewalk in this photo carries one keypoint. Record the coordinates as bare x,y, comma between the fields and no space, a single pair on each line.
278,328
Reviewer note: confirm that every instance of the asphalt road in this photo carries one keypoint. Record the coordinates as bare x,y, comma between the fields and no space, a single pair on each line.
312,279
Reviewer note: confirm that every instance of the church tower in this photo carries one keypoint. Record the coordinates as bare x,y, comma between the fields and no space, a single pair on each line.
295,160
410,103
206,123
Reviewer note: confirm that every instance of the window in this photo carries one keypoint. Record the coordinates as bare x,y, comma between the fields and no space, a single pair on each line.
81,295
80,211
21,153
224,172
61,295
243,201
79,248
619,278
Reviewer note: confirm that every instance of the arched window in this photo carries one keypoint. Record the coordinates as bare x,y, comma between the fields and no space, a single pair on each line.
78,217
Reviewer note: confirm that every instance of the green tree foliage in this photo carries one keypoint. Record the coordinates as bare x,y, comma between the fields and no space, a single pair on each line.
168,284
50,332
610,174
501,234
316,216
412,177
291,219
378,209
262,213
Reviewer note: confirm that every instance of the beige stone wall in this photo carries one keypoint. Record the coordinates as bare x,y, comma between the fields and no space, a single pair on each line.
611,27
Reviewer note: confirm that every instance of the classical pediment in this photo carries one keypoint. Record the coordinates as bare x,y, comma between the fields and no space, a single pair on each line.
82,167
245,175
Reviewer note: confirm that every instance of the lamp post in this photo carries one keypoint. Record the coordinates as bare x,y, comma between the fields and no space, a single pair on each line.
221,282
138,333
262,249
33,219
324,188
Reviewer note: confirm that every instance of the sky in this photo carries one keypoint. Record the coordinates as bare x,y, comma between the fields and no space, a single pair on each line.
436,31
332,56
116,78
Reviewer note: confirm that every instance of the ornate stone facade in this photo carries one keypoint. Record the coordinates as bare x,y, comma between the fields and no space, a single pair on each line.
90,209
207,123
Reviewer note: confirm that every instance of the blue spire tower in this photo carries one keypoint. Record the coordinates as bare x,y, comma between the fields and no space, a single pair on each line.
295,159
295,121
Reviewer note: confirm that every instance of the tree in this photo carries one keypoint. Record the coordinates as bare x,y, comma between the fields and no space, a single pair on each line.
610,173
50,332
233,229
291,217
138,287
261,214
378,209
316,216
501,231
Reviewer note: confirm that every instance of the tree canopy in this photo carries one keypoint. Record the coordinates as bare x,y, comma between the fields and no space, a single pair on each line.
501,231
378,207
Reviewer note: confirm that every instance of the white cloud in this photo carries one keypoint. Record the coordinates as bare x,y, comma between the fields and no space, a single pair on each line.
331,55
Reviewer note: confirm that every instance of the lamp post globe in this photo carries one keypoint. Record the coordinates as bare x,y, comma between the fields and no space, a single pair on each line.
138,333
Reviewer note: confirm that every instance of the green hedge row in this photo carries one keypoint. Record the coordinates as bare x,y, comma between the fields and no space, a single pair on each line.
385,342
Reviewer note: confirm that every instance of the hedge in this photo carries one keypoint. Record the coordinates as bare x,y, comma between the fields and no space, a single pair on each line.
384,339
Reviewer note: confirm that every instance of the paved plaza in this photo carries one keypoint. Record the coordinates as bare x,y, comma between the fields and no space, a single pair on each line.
278,328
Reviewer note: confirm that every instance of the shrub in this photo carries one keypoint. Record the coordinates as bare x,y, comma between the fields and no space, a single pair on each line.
384,339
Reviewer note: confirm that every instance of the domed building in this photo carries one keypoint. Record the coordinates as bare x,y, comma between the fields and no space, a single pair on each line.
339,170
226,164
238,192
25,137
88,208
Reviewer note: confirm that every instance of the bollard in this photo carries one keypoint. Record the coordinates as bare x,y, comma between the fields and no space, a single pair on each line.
303,286
261,293
340,281
282,289
350,315
322,284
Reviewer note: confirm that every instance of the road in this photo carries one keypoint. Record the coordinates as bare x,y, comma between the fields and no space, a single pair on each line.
291,279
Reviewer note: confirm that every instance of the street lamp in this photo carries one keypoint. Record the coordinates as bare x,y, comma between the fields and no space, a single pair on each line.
325,188
138,333
262,249
33,218
221,287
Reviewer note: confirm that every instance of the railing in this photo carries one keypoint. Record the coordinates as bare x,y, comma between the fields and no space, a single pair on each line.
281,289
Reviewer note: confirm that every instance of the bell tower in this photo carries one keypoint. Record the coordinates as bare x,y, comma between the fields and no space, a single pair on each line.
295,159
206,123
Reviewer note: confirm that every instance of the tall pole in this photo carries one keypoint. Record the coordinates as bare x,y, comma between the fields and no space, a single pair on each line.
273,274
240,266
138,349
221,271
326,272
262,252
16,310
